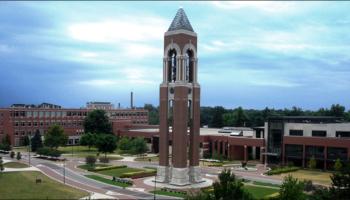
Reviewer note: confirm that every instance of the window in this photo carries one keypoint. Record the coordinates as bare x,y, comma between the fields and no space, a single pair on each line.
296,132
29,113
342,133
319,133
29,123
47,114
41,114
35,114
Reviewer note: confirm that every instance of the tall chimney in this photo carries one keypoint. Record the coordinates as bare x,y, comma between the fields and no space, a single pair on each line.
132,100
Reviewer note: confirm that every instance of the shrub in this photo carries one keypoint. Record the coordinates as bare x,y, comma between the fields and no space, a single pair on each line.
104,160
338,165
12,154
140,174
106,168
312,163
90,160
45,151
19,156
279,170
308,186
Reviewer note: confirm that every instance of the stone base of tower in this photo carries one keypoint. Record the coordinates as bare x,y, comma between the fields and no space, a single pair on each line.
163,174
180,176
195,174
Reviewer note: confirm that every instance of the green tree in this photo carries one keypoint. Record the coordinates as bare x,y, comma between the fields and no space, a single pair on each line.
12,154
240,117
153,114
228,187
97,122
18,156
55,137
229,119
25,141
106,143
90,160
124,144
340,188
6,143
88,139
1,165
36,141
338,165
337,110
139,146
292,189
217,121
312,163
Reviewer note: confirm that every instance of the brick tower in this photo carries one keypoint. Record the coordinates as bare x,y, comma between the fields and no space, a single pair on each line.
179,105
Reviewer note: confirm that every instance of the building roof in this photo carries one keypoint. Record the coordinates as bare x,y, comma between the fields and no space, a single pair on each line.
180,22
307,119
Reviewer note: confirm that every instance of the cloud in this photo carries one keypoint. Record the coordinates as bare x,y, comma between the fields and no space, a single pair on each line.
124,29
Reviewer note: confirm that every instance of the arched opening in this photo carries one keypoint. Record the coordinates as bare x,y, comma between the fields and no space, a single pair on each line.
172,65
189,65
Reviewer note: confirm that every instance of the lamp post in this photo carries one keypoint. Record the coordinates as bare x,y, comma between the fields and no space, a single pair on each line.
29,148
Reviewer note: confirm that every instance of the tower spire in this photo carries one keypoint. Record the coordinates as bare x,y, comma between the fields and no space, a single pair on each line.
180,21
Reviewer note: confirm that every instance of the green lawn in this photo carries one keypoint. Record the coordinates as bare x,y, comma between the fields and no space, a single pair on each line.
20,149
313,175
118,172
265,184
15,165
77,149
260,192
21,185
87,167
165,193
108,181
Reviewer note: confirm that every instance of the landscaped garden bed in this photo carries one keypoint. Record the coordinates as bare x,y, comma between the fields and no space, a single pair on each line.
15,165
117,182
280,170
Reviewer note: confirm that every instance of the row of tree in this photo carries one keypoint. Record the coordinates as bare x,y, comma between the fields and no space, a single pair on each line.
219,116
229,187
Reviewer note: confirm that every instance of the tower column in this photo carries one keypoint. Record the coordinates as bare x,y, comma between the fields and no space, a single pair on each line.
163,169
180,139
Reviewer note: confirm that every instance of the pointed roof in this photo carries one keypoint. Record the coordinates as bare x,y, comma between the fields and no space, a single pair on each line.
180,22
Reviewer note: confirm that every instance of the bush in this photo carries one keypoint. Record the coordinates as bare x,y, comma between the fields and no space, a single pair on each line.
104,160
140,174
12,154
338,165
45,151
282,170
90,160
308,186
312,163
19,156
106,168
5,147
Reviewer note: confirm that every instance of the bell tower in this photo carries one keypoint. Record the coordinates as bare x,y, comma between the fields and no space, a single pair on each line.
179,106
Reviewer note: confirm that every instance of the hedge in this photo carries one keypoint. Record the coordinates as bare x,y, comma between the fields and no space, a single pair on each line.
140,174
106,168
282,170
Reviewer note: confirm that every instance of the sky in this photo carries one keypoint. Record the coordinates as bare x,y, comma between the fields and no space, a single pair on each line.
250,54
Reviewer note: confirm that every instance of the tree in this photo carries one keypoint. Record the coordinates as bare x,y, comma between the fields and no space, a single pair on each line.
18,156
240,117
106,143
6,143
139,146
292,189
25,141
36,141
97,122
337,110
229,187
46,151
229,119
341,183
153,114
90,160
12,154
55,137
88,139
124,144
217,121
1,165
337,165
312,163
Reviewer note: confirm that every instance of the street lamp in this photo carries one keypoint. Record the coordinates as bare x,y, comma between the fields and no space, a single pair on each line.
155,187
29,148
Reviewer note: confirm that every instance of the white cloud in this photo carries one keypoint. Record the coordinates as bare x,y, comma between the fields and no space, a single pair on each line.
266,6
125,29
141,51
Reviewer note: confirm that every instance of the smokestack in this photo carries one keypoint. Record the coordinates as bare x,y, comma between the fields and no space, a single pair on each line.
132,100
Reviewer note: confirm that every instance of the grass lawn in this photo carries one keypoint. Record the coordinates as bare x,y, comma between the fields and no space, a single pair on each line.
165,193
118,172
77,150
316,176
146,159
20,149
21,185
15,165
260,192
108,181
265,184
